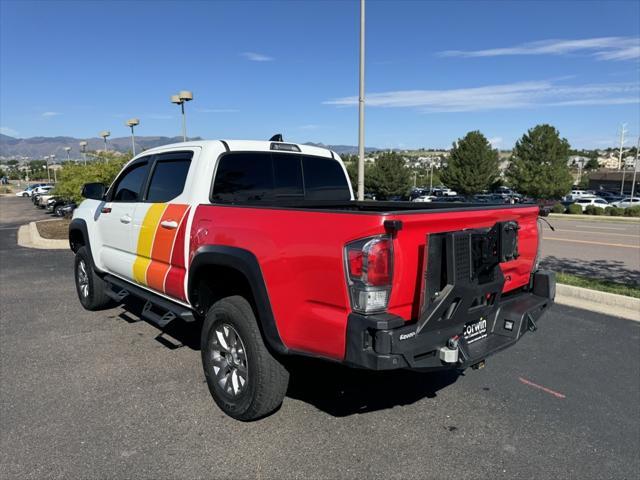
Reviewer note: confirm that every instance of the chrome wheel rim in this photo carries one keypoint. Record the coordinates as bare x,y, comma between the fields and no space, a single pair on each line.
229,360
83,279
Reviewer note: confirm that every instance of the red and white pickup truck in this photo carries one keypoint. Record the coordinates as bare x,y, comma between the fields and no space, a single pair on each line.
263,243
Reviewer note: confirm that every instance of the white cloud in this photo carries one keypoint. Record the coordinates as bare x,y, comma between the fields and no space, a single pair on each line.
531,94
310,126
495,141
51,114
602,48
257,57
8,131
217,110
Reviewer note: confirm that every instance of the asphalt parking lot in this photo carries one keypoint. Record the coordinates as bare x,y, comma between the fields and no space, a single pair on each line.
105,395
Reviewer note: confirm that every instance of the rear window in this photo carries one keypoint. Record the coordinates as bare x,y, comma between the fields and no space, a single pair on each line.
264,176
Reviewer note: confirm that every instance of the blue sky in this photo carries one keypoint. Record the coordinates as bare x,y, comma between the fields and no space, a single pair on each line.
435,70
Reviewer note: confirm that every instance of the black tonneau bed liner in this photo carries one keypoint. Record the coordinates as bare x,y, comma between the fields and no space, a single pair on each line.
373,206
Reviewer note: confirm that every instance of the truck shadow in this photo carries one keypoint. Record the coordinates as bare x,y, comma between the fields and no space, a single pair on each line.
341,391
611,270
330,387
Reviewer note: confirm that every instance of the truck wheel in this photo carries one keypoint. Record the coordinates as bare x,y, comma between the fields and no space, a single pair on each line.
245,379
90,287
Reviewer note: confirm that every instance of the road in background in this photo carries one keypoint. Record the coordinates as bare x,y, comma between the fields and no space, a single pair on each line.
105,395
596,249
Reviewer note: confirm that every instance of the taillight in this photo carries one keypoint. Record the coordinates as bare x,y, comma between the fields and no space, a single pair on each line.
369,266
536,262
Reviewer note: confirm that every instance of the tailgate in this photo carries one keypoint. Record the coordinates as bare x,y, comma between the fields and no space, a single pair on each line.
410,246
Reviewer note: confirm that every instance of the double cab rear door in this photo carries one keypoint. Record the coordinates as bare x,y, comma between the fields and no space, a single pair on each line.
142,224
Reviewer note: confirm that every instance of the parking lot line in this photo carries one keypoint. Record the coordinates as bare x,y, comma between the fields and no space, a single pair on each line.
540,387
593,243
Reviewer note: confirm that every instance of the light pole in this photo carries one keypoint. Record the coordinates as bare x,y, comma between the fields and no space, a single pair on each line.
179,99
361,110
68,149
83,147
635,168
132,123
104,134
52,158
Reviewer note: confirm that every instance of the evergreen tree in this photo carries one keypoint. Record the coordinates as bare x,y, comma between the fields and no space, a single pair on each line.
472,165
539,164
389,176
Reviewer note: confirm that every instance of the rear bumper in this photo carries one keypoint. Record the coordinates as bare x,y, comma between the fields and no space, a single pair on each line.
385,342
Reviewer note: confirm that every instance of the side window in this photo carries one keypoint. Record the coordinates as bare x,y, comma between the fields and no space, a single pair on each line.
128,188
324,179
243,177
168,177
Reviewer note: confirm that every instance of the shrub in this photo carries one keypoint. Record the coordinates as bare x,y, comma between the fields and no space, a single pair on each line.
574,209
632,211
591,210
558,208
72,176
614,211
598,211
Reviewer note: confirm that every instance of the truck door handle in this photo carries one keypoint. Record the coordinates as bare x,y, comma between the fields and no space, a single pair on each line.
170,224
125,218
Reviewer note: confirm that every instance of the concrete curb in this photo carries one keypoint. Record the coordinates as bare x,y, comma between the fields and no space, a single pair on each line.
596,218
29,237
596,301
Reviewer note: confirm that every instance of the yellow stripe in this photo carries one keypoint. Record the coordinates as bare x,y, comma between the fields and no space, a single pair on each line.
145,241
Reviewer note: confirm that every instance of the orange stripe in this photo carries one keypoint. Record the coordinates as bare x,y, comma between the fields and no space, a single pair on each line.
162,246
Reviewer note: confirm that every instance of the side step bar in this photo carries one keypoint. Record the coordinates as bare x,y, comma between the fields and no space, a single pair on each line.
119,289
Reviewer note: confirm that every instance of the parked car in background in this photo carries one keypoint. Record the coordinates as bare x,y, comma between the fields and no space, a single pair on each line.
595,201
627,202
424,198
29,191
443,192
67,210
41,200
610,196
576,194
56,204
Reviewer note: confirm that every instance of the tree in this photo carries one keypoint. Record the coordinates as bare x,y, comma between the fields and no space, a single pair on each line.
592,164
73,175
472,165
389,176
539,164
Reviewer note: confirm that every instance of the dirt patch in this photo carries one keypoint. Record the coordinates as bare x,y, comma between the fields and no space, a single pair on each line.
54,229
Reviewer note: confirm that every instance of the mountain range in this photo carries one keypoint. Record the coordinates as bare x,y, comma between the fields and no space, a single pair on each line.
37,147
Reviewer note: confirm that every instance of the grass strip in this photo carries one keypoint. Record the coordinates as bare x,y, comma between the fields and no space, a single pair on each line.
600,285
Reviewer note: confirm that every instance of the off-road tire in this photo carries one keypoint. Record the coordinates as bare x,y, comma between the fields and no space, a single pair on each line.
266,378
94,297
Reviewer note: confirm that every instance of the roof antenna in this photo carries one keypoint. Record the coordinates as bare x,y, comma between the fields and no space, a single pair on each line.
276,138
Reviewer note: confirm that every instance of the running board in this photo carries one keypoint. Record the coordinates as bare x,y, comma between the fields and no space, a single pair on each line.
119,289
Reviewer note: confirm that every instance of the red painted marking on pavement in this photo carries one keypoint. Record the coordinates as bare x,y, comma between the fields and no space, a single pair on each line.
544,389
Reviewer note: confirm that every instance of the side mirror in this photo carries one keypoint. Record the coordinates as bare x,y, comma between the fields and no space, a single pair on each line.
94,191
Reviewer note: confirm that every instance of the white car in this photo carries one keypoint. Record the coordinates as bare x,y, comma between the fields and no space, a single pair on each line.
596,202
43,190
627,202
576,194
425,198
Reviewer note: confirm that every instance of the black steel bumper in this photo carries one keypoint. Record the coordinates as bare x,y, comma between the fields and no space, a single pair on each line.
385,342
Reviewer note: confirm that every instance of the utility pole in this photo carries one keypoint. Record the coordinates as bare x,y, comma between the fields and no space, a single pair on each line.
361,110
620,166
635,168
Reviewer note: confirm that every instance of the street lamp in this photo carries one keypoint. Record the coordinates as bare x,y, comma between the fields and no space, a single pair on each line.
132,123
179,99
83,146
68,149
104,134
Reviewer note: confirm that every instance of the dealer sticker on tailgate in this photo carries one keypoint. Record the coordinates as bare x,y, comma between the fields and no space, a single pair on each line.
475,331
